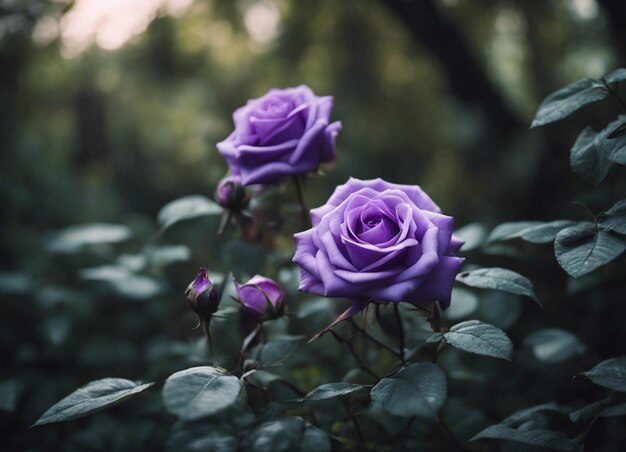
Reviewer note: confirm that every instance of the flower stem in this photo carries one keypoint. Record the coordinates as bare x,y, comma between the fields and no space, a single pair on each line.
304,211
396,312
205,327
356,356
373,339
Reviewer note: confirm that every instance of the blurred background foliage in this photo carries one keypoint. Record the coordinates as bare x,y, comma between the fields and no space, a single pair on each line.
112,109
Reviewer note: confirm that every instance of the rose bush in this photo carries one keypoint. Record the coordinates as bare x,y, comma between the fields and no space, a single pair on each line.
285,132
380,241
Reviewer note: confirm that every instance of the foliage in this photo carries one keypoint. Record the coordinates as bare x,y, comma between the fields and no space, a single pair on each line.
105,295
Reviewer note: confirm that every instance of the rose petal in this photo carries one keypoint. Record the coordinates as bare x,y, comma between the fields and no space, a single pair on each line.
438,285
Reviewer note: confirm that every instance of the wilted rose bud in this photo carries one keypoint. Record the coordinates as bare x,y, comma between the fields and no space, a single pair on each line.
231,194
261,297
202,296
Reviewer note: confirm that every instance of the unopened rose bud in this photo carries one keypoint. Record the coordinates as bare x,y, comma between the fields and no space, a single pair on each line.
231,194
261,298
202,296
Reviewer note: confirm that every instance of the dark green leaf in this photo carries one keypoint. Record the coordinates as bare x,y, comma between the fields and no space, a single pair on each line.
540,438
417,390
186,208
275,352
610,374
553,345
464,303
200,392
498,279
200,437
472,234
333,390
614,410
123,281
91,398
593,153
8,394
531,231
522,416
315,440
277,435
567,100
616,76
480,338
582,248
614,219
612,406
75,238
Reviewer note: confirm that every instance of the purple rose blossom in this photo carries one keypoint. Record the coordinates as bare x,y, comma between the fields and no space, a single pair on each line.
202,296
231,194
260,297
284,132
374,240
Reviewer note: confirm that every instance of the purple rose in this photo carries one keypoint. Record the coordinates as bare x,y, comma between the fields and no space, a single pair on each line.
231,194
202,296
285,132
378,241
260,297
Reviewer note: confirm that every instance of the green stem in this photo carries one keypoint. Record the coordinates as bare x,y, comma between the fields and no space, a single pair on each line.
373,339
304,211
396,312
207,332
356,356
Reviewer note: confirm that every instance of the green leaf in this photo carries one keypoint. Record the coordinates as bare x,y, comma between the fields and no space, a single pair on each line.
200,392
123,281
553,345
275,352
610,374
472,234
75,238
8,394
582,248
537,437
568,99
593,153
282,434
616,76
200,437
332,390
186,208
614,219
91,398
417,390
611,406
315,440
498,279
531,231
480,338
464,303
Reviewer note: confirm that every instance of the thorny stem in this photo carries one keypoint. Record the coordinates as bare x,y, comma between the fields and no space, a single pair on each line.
446,431
358,431
356,356
205,327
306,220
396,312
373,339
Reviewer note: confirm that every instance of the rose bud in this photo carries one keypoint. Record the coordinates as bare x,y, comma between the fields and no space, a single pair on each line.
231,194
202,296
261,298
